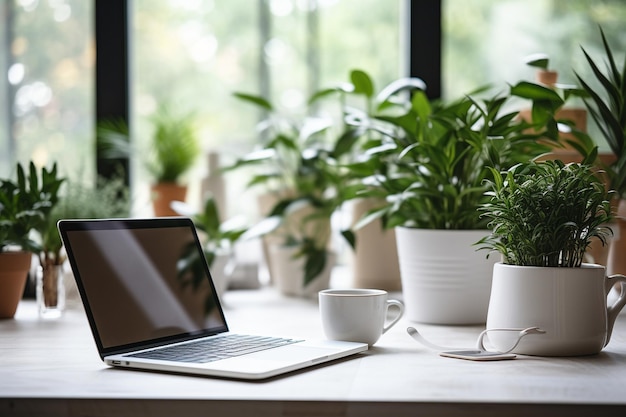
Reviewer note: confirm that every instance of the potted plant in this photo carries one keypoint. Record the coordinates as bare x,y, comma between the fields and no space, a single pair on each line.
572,119
543,216
375,260
24,207
436,159
173,151
218,239
107,199
606,103
297,165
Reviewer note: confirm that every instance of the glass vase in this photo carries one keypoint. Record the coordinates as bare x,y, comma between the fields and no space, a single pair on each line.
50,292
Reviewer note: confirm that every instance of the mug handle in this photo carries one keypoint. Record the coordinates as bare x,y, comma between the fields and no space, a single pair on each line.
613,310
396,318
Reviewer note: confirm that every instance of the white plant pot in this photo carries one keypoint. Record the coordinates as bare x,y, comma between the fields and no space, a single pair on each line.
445,279
288,272
569,304
219,273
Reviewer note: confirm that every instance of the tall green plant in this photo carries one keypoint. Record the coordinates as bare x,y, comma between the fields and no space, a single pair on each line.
298,161
608,110
545,213
436,156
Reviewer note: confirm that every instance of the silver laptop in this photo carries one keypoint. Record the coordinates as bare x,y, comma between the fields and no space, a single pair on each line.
151,304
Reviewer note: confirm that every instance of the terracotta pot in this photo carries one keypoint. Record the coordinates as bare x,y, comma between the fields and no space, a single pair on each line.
547,77
14,268
163,194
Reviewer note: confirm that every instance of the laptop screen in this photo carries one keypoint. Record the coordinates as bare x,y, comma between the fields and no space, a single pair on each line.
142,281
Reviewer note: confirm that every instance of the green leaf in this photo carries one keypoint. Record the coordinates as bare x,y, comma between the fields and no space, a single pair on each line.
533,91
421,105
362,82
318,95
538,60
256,100
349,236
346,142
315,263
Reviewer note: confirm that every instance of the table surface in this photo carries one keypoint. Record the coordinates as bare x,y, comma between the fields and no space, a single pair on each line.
51,367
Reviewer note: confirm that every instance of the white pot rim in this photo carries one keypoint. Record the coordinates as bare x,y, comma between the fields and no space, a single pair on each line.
421,229
583,266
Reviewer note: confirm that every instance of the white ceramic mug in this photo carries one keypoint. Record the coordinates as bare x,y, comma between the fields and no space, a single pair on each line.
569,304
357,315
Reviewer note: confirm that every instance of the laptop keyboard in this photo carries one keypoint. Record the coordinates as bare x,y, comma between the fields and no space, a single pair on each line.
215,348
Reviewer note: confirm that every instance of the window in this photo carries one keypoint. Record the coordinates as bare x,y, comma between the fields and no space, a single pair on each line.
47,91
486,41
194,54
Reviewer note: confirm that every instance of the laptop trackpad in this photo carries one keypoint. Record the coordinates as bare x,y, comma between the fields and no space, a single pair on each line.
266,360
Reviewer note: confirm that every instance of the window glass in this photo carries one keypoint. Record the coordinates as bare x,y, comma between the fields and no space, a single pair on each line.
195,54
47,87
486,41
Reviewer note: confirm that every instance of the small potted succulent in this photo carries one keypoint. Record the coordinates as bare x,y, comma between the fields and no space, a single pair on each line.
542,217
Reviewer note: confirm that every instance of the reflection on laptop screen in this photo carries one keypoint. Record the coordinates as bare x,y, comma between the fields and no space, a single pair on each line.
154,277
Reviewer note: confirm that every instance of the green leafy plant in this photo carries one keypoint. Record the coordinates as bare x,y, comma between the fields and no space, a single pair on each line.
549,110
546,213
437,155
298,163
174,146
217,238
608,110
108,199
25,206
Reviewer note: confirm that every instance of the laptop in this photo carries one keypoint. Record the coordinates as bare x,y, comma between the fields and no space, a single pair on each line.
151,304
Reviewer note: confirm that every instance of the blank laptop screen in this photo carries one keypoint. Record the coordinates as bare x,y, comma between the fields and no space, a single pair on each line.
143,284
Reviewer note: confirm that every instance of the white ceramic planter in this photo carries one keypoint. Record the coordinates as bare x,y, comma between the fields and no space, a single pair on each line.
569,304
445,280
219,273
288,273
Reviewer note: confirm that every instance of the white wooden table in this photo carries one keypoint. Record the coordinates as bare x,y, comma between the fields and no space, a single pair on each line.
51,368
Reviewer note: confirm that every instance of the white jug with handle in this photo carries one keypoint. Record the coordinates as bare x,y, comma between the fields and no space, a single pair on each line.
569,304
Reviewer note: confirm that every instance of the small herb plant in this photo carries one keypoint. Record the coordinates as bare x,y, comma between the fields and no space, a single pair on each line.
174,147
546,213
169,154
